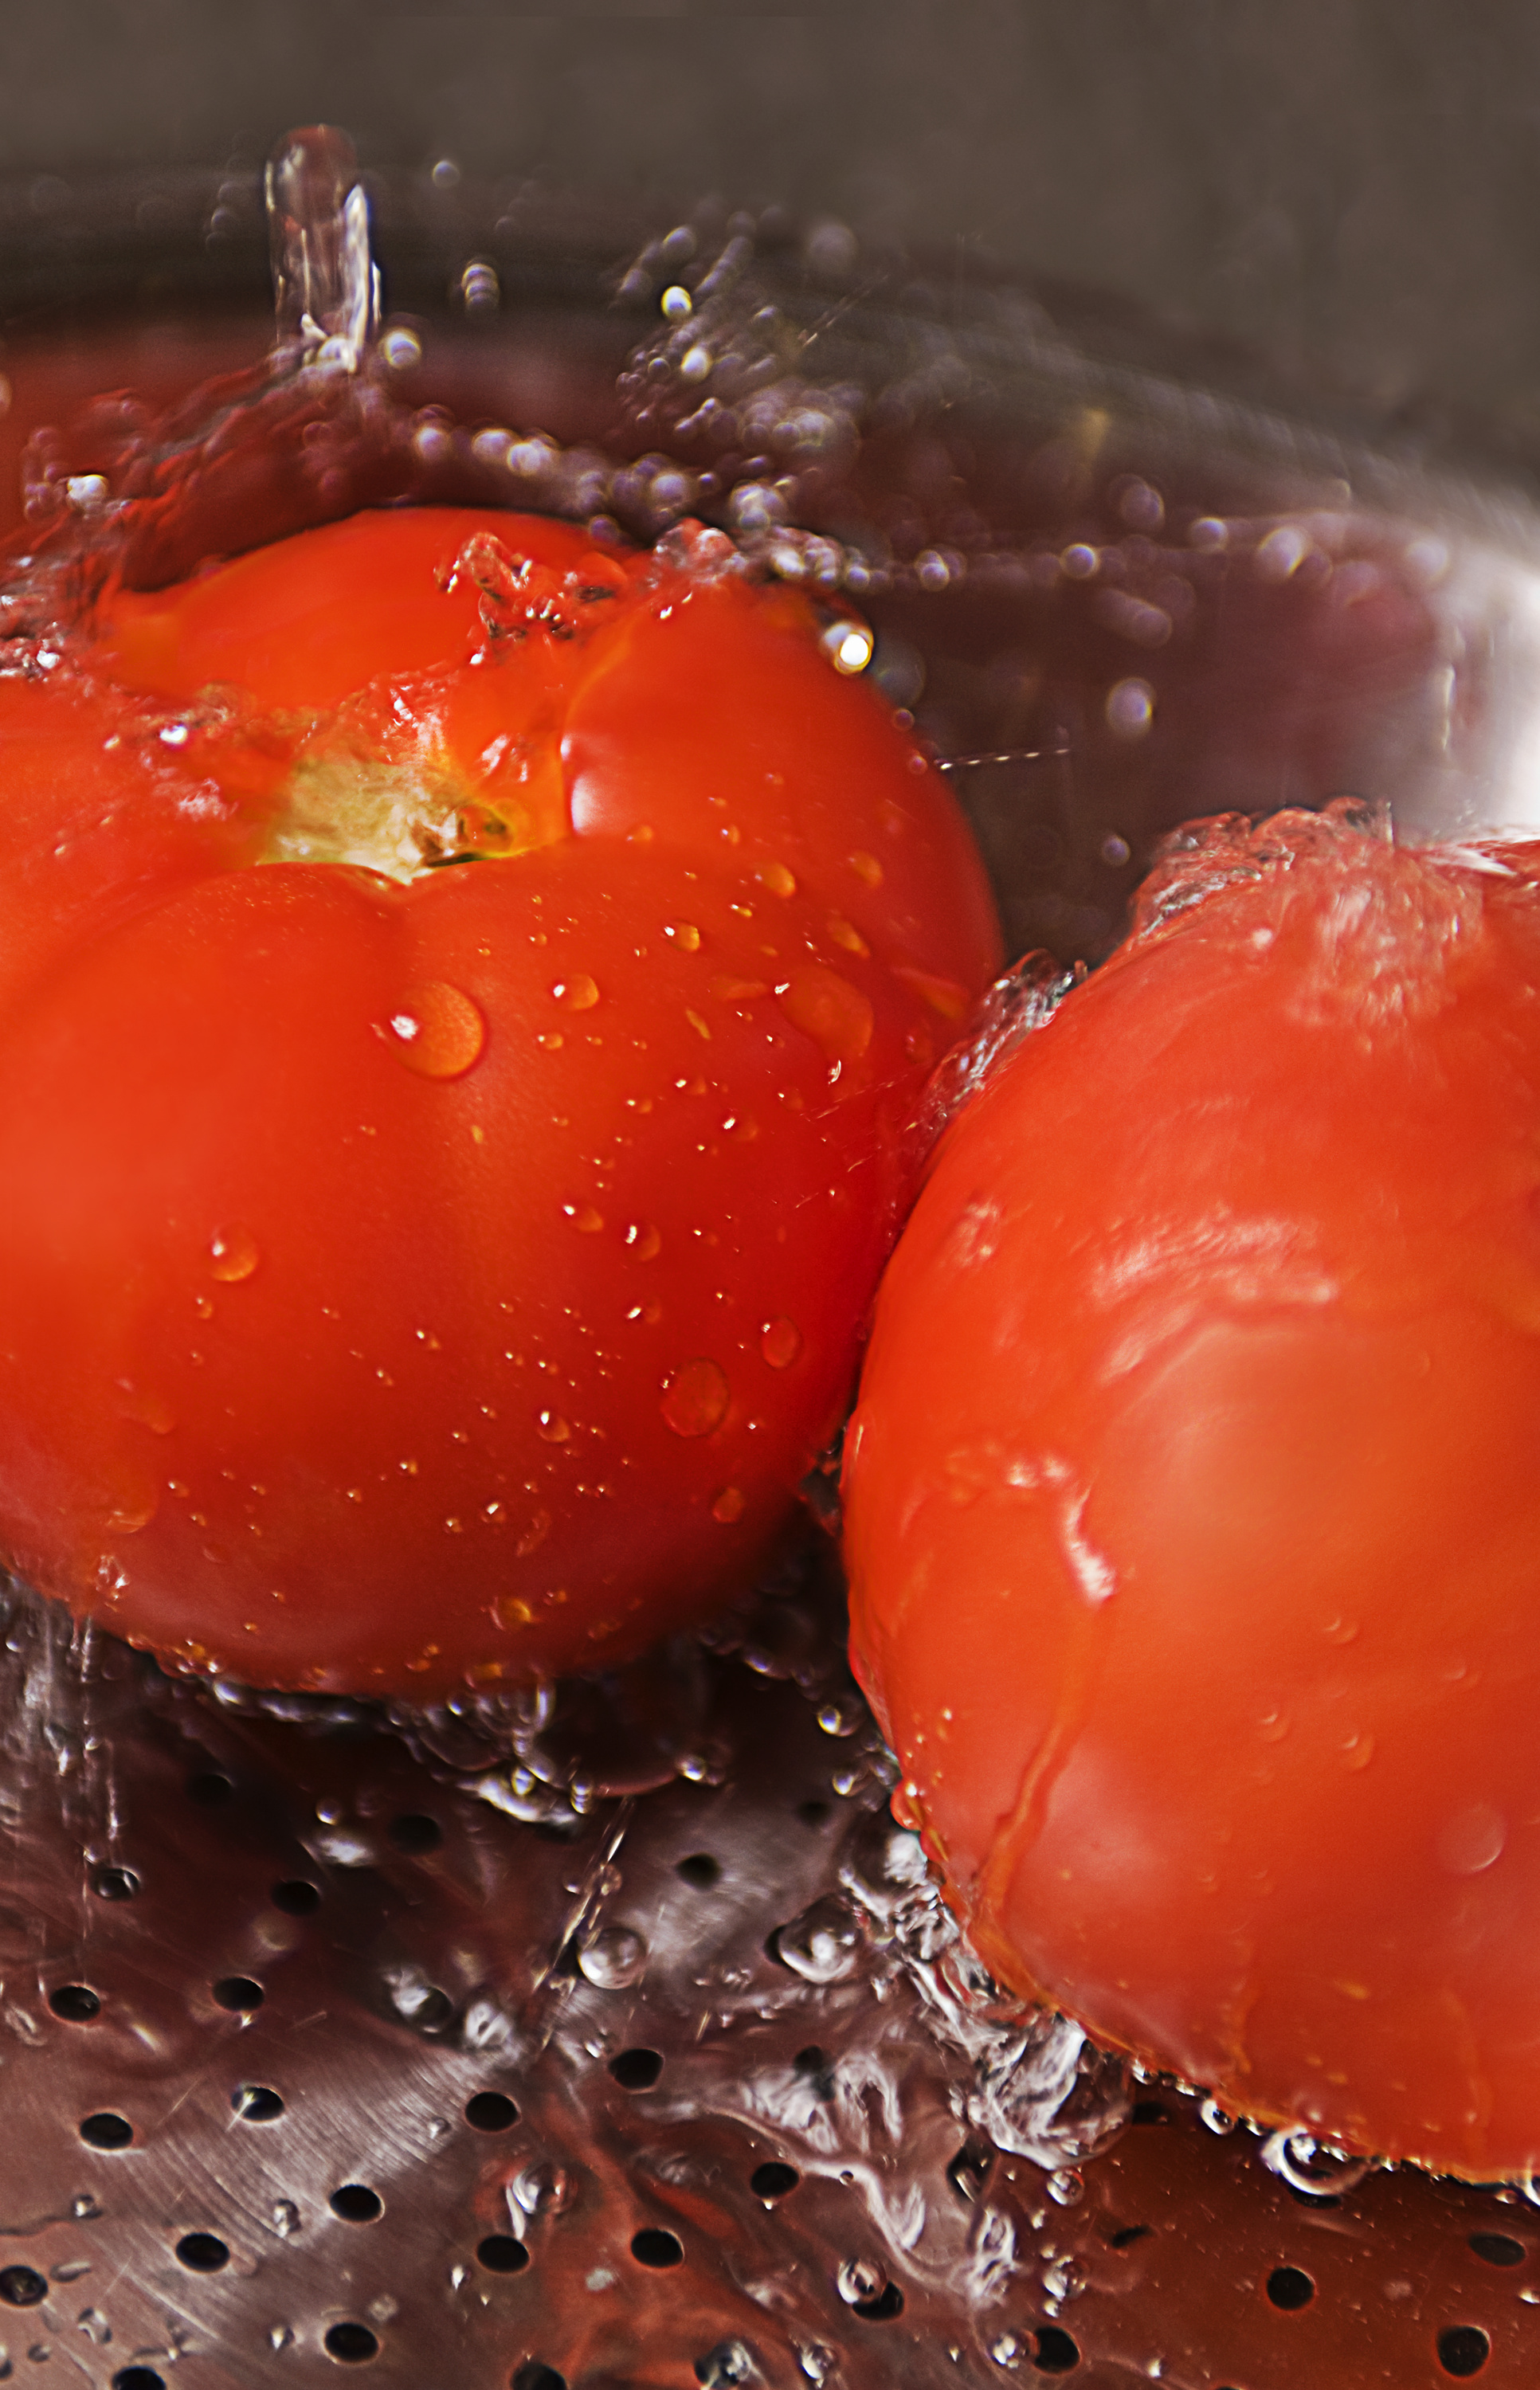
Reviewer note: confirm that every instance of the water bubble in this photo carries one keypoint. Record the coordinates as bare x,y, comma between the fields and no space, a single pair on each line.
401,348
685,934
1311,2166
842,1717
859,2280
326,289
696,1398
1142,509
578,993
285,2218
1282,552
613,1959
676,303
1066,2186
553,1427
1115,851
823,1945
781,1342
830,1011
1130,707
233,1254
729,1506
479,289
436,1030
1217,2119
642,1240
1209,533
1080,561
848,646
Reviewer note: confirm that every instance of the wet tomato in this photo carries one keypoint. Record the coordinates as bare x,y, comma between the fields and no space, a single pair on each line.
462,994
1193,1509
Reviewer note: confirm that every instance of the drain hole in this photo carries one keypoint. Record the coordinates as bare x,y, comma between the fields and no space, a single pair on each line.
1290,2287
653,2246
22,2286
817,2067
203,2252
1498,2248
1463,2349
888,2304
1056,2353
255,2104
1126,2236
239,1993
114,1883
296,1898
501,2253
636,2070
414,1834
1149,2111
535,2376
773,2179
76,2003
356,2203
106,2132
351,2343
139,2377
699,1870
491,2111
209,1789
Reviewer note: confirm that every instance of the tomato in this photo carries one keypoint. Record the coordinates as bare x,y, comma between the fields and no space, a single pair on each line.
1192,1498
461,998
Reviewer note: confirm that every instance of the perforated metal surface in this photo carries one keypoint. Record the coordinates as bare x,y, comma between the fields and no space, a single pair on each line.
314,2054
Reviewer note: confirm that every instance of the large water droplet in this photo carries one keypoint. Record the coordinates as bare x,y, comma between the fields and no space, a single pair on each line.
866,867
642,1240
613,1959
696,1399
553,1427
1472,1839
859,2279
436,1030
326,289
729,1506
777,880
685,934
233,1254
833,1014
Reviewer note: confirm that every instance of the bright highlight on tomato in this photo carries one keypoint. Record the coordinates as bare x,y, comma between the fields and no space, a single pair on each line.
462,994
1193,1505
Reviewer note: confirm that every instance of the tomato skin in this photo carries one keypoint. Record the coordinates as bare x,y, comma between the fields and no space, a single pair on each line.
1191,1503
450,1281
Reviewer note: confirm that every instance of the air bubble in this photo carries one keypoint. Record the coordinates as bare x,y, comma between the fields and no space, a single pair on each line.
1130,707
1066,2187
401,348
848,646
436,1030
481,292
232,1254
676,303
823,1945
696,1399
1282,552
614,1959
1080,561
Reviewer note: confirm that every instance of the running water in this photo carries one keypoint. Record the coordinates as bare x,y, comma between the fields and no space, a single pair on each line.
325,284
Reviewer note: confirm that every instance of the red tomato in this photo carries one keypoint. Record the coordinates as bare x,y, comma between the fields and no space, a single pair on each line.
1193,1507
429,1275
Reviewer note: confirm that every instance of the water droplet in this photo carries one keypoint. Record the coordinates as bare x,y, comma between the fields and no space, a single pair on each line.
696,1399
823,1945
130,1518
685,934
578,992
1472,1839
1080,561
540,2189
866,867
1130,707
1066,2187
584,1219
845,934
1217,2119
613,1959
728,1505
553,1427
833,1014
286,2218
676,303
1115,851
859,2279
848,646
1010,2350
1209,533
1282,552
642,1240
533,1536
436,1030
781,1342
400,348
232,1254
777,878
841,1718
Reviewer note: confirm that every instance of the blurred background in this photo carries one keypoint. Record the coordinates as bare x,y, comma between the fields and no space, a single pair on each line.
1337,197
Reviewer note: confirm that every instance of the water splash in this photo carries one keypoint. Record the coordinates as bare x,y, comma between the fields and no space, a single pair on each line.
326,285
